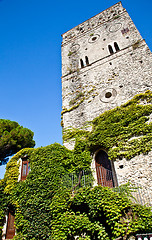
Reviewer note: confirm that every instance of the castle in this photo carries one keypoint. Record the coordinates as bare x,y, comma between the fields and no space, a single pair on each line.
105,63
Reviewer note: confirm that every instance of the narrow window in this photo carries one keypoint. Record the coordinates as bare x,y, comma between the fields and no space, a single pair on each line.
110,49
104,169
87,60
81,62
25,169
10,231
116,46
125,30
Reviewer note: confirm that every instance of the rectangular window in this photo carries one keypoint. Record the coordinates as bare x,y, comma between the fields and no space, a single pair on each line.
10,231
25,169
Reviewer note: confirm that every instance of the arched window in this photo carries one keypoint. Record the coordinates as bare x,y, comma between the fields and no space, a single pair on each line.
86,60
81,62
110,49
103,169
116,46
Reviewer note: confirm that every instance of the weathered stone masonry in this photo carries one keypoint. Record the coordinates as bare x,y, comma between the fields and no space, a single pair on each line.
105,62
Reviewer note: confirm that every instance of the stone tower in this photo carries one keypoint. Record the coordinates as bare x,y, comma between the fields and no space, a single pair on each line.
105,62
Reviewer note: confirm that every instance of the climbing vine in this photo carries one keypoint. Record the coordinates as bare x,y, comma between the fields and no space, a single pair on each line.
124,131
98,213
3,204
45,205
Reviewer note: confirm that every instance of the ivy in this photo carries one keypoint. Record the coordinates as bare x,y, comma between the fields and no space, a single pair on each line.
46,205
98,213
123,131
3,204
73,107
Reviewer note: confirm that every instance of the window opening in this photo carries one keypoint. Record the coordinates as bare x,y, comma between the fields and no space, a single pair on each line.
94,38
108,94
103,169
25,169
87,60
125,30
110,49
116,46
81,62
10,231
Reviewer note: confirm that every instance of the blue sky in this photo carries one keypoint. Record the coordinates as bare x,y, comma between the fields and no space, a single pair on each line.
30,57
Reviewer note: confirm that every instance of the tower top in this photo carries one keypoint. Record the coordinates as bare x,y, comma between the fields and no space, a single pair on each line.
109,14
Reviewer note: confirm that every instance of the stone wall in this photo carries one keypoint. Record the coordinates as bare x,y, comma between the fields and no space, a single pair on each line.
105,63
138,171
110,79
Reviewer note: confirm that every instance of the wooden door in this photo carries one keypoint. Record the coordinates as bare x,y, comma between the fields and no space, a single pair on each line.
103,169
10,231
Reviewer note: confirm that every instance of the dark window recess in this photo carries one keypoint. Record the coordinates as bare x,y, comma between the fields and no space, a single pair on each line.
25,169
108,94
81,62
110,49
86,60
116,46
10,230
103,169
94,38
125,30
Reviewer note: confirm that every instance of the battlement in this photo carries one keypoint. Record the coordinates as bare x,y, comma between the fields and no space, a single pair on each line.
109,14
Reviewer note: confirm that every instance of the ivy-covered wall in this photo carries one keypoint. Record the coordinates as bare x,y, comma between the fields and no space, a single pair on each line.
125,133
45,205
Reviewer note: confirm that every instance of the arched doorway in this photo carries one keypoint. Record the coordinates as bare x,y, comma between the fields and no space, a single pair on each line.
104,169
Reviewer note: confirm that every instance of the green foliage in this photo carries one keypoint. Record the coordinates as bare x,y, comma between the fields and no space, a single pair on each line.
98,213
70,53
13,138
136,45
49,166
82,158
122,131
47,208
117,16
73,107
75,133
12,169
126,190
3,204
78,96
